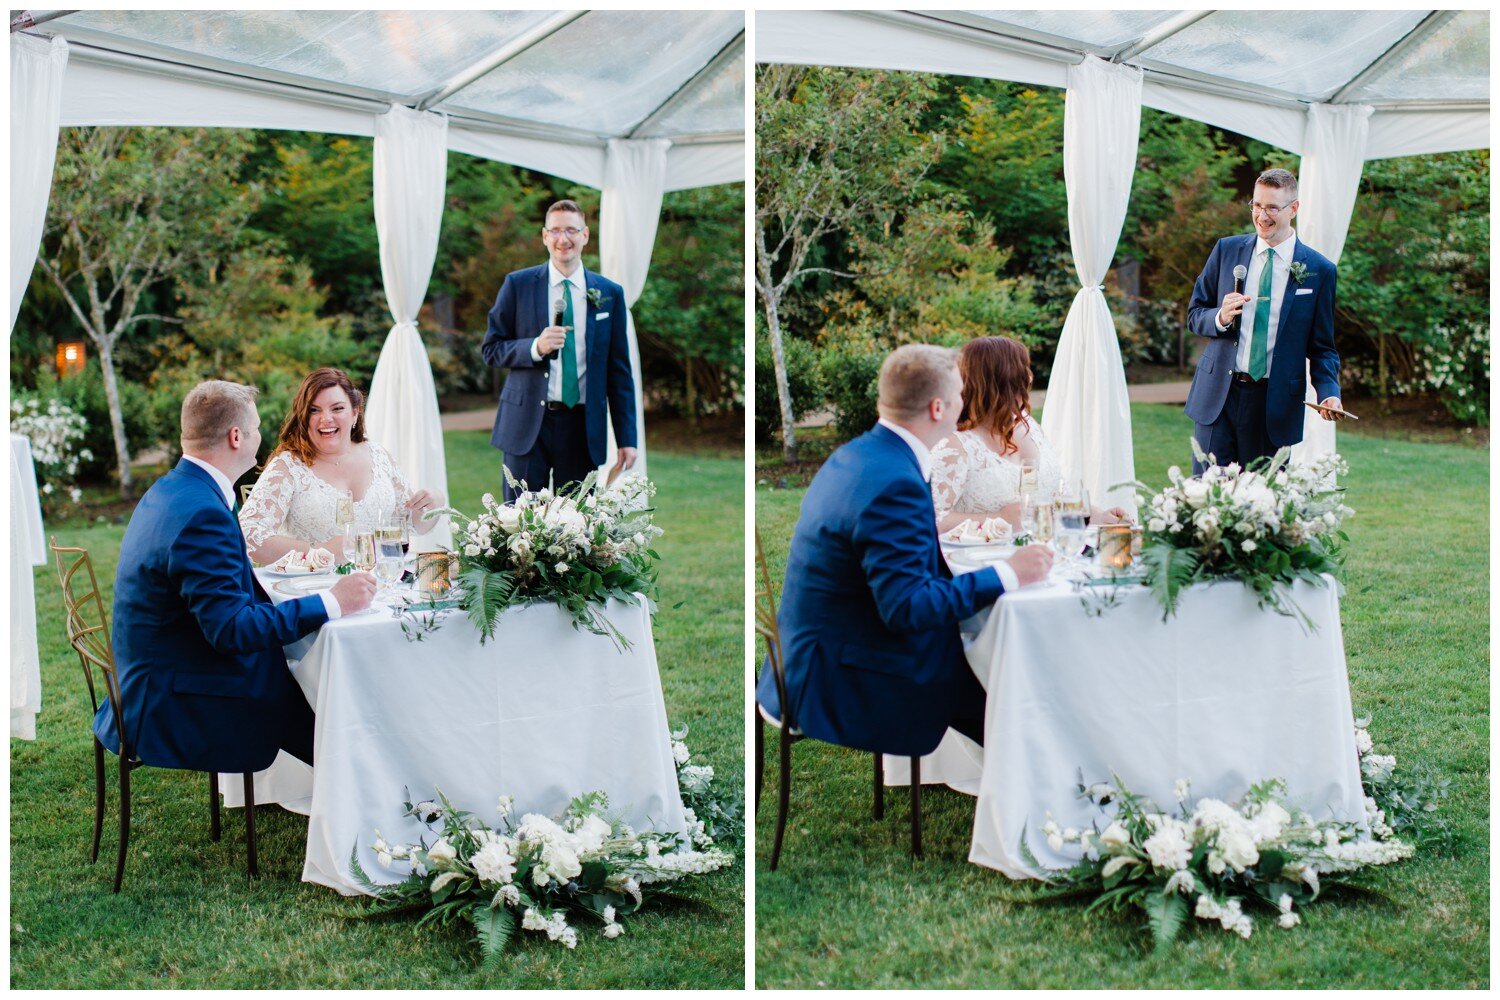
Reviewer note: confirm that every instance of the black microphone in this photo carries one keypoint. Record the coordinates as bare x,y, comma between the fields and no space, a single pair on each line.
557,310
1239,275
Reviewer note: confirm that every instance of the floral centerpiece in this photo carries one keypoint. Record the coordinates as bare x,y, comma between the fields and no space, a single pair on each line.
1268,526
1213,860
533,872
576,547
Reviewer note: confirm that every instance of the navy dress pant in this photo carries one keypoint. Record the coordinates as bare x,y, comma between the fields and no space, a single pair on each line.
559,457
1239,433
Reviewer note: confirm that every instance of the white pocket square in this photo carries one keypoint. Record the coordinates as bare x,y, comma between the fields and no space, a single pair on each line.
1304,291
601,315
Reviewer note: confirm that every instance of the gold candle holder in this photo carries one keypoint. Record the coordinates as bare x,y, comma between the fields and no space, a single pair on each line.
433,572
1114,546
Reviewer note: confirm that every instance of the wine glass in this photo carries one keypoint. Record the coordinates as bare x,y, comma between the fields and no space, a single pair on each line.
364,551
402,519
1043,521
388,556
1069,537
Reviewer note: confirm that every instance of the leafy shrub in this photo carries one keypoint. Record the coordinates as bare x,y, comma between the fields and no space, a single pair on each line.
83,393
803,380
851,373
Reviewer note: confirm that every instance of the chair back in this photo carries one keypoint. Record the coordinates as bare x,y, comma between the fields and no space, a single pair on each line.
769,629
245,493
88,623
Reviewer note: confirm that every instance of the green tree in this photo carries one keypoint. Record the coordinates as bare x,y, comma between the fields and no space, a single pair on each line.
130,209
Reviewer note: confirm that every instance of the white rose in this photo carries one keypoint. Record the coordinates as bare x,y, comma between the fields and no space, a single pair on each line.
591,834
1238,848
1195,491
560,568
509,518
441,853
1248,545
1156,524
471,550
1114,835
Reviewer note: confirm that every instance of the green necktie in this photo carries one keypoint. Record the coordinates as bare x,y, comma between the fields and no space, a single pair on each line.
569,351
1261,332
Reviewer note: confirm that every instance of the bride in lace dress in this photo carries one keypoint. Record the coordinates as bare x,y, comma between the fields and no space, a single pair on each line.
323,452
976,473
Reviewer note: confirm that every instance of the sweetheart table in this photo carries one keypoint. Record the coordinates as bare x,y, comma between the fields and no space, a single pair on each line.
542,712
1224,694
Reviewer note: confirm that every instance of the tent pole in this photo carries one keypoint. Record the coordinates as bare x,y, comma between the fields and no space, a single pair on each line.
499,57
26,19
1429,24
1160,34
727,54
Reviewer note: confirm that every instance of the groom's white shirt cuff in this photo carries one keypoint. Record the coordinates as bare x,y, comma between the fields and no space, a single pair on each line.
330,603
1008,578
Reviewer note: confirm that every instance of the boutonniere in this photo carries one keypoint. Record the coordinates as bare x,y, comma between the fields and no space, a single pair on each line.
596,297
1297,270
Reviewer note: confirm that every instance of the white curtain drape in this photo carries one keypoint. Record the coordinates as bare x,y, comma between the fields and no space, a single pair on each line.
411,166
1087,411
635,174
25,663
37,66
1333,158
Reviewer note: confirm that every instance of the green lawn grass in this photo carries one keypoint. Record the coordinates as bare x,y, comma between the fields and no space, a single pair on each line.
848,906
189,917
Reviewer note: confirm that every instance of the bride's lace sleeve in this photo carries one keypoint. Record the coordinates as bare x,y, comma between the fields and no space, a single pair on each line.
950,470
265,511
386,465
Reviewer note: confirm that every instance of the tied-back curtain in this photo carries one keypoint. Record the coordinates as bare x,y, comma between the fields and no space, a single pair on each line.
635,174
1333,158
36,83
25,663
411,165
1087,412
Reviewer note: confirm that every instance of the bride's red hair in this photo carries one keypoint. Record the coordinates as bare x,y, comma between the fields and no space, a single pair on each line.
296,430
997,387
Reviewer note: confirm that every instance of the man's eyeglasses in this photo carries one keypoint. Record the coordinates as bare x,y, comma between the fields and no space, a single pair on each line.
1271,210
569,232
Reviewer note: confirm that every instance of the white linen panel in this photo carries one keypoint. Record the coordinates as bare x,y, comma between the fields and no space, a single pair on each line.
1087,413
411,158
1334,155
25,663
635,174
37,67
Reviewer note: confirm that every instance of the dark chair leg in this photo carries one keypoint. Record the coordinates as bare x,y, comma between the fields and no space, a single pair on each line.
124,819
213,807
784,794
250,824
98,799
878,807
916,807
760,754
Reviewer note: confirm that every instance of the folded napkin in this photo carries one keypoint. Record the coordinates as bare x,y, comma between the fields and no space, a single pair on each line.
313,561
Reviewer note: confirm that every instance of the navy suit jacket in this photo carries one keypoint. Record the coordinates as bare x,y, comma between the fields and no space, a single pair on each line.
1304,337
204,683
522,311
869,614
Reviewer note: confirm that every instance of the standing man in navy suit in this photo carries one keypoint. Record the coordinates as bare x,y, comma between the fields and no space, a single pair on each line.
869,615
204,683
1269,328
560,331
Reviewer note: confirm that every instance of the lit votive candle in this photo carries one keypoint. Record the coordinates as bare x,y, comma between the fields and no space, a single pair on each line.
1114,546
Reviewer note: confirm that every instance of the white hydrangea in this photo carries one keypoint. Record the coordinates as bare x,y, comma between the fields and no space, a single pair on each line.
495,861
1169,847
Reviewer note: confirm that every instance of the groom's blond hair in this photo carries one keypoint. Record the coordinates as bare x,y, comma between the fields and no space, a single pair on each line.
212,408
912,377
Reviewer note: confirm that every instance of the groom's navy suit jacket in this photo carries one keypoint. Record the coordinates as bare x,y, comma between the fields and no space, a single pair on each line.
869,613
204,684
1304,339
521,312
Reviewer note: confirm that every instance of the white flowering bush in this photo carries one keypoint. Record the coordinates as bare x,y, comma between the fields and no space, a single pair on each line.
56,433
1215,861
1267,526
535,871
576,547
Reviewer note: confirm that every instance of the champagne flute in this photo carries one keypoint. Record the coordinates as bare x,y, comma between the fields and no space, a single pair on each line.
343,517
1044,520
364,551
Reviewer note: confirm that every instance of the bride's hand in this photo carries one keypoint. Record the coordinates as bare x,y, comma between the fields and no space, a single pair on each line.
1113,515
421,502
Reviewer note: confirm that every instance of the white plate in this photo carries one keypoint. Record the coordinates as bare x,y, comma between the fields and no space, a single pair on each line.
301,588
1000,552
296,574
966,544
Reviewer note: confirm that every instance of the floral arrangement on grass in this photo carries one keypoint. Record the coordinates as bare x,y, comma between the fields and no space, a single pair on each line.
55,431
533,872
1214,861
575,547
1269,526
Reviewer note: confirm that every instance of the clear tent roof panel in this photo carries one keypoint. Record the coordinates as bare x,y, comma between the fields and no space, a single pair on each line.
1452,63
1095,29
583,77
718,105
1306,54
401,54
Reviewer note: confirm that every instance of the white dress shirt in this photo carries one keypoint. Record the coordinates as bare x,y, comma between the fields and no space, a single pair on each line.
330,603
578,288
1008,578
1281,261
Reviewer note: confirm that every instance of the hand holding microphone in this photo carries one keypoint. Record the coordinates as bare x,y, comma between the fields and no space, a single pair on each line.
551,340
1234,302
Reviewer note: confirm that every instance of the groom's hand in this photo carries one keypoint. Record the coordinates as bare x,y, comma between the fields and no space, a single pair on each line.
354,592
1333,403
551,340
1233,305
1032,564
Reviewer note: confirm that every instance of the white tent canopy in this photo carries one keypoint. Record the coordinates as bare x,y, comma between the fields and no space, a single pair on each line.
1336,87
636,103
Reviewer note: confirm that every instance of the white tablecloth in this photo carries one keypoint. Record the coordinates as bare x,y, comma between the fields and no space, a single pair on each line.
1224,694
543,713
27,548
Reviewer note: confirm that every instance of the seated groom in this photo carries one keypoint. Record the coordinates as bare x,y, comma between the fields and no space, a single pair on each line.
204,684
869,615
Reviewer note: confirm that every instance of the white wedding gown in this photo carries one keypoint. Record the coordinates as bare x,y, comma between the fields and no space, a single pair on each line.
290,499
967,476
